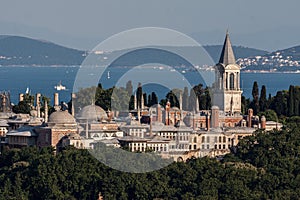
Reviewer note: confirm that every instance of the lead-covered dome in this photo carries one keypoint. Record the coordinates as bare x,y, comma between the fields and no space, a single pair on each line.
92,113
61,117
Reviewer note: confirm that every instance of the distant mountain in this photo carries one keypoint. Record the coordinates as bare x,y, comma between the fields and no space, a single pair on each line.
16,50
135,57
239,52
281,60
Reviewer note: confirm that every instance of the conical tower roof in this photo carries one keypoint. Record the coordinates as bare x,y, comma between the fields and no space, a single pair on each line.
227,55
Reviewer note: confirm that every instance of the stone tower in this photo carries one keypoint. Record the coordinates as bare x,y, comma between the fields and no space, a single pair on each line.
227,92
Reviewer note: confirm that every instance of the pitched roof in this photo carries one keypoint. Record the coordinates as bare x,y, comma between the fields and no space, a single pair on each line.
227,55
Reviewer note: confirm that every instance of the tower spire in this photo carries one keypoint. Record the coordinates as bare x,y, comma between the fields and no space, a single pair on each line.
227,55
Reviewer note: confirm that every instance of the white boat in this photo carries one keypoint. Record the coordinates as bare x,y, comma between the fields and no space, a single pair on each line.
59,87
27,90
108,75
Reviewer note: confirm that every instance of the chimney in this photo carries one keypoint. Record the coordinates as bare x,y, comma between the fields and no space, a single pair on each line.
142,102
167,111
21,97
197,105
180,101
215,117
46,111
73,96
263,122
56,99
139,114
135,102
38,105
249,118
56,102
207,121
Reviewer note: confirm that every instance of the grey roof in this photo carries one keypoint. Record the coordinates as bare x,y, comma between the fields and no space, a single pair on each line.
158,139
61,117
227,55
3,123
132,139
25,131
92,113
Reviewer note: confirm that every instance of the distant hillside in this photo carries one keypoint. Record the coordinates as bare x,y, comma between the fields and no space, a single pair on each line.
156,55
239,52
15,50
281,60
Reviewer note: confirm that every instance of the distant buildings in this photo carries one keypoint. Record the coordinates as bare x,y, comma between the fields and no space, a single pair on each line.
169,131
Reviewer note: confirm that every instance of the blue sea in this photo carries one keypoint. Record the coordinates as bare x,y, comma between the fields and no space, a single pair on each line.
43,79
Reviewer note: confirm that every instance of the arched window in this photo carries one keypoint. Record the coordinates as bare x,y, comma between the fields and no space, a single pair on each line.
231,79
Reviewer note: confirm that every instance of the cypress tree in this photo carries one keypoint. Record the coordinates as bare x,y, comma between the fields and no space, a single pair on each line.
129,87
263,99
291,101
255,95
154,98
139,94
149,101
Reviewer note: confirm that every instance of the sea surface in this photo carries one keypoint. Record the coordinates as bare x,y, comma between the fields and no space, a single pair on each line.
43,79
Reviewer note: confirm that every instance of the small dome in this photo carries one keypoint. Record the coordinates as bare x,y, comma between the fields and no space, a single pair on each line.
92,112
175,108
215,108
61,117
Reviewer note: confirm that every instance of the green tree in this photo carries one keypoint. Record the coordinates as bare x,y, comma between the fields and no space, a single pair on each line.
279,104
263,99
24,106
129,88
255,102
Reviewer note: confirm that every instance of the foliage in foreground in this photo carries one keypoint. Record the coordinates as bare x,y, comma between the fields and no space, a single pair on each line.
265,166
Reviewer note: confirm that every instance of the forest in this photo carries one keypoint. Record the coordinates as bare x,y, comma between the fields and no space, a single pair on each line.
263,166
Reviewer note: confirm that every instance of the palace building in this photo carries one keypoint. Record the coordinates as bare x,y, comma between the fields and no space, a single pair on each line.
170,131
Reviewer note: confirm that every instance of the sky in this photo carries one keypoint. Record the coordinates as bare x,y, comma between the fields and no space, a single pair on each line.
268,25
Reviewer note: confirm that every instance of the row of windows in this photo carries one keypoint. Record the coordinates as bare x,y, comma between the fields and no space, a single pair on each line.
215,147
17,139
216,139
179,146
151,148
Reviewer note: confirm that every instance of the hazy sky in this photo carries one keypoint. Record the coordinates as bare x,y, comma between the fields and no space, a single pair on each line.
264,24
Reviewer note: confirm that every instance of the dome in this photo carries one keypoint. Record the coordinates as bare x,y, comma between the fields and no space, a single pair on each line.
61,117
92,112
215,108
